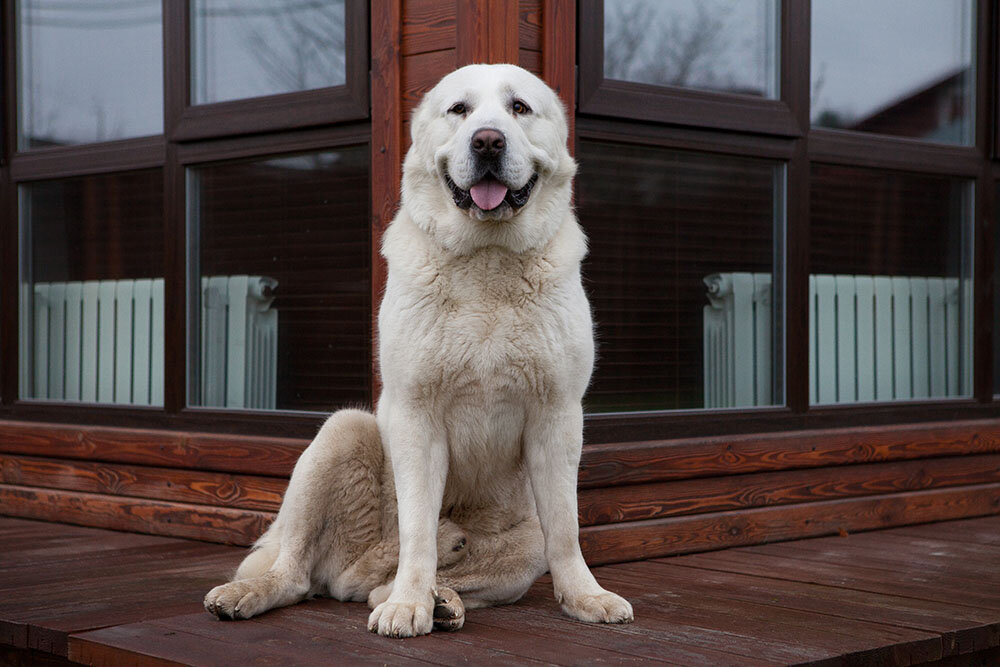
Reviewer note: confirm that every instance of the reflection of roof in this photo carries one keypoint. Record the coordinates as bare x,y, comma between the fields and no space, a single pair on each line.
924,111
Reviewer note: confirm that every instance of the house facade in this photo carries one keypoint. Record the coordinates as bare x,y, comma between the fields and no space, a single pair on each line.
793,253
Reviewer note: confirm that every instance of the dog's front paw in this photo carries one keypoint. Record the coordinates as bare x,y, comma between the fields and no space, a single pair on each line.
402,619
235,601
604,607
449,612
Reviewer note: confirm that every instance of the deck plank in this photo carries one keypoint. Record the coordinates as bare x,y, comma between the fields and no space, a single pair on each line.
895,597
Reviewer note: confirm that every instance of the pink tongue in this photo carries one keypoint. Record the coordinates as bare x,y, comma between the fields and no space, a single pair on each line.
488,193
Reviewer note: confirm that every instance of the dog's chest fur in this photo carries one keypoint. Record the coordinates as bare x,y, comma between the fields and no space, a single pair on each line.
478,340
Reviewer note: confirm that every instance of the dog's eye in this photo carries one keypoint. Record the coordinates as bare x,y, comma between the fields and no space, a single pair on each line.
520,107
458,109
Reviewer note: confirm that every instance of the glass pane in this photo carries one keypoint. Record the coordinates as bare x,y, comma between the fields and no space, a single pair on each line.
890,289
716,45
281,313
88,71
681,276
900,67
241,50
996,300
91,301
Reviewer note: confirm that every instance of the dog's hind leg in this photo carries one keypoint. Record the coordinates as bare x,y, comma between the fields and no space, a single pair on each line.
330,516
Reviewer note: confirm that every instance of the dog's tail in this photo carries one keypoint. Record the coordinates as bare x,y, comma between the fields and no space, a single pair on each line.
263,554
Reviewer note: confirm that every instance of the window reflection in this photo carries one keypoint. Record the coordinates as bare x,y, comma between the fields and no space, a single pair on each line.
718,45
89,71
680,276
281,288
890,289
242,49
91,302
899,67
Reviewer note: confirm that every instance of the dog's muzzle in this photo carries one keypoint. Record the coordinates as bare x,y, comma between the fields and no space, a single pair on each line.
489,193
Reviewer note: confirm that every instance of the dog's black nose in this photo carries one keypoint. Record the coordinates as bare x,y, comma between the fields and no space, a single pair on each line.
488,143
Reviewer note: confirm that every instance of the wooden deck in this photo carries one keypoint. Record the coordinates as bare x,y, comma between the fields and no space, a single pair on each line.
896,597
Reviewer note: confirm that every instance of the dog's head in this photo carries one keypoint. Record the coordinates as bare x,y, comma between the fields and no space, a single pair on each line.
488,164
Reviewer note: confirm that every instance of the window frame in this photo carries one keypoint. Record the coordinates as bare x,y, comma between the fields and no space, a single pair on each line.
608,111
599,96
313,120
320,106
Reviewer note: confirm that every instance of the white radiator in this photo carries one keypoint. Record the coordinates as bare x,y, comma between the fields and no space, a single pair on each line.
102,341
871,338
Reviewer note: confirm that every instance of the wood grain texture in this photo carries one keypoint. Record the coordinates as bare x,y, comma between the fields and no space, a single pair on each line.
172,449
529,30
734,492
559,55
387,147
601,465
428,25
420,73
621,542
187,486
487,31
633,463
200,522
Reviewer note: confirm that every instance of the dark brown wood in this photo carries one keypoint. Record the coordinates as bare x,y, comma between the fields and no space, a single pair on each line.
677,535
558,44
427,25
826,601
607,465
268,456
601,465
387,142
278,112
60,162
487,31
717,494
200,522
188,486
885,152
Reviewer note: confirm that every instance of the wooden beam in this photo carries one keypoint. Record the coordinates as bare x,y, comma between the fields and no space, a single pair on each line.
601,465
487,31
386,146
154,517
186,486
559,55
614,543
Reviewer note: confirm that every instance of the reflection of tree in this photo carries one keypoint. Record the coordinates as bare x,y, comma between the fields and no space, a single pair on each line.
298,44
646,42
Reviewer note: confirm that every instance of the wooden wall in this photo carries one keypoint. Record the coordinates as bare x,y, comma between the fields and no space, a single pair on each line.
638,499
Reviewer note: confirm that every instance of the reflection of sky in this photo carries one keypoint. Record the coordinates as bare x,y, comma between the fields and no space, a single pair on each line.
869,53
93,71
245,50
738,58
86,81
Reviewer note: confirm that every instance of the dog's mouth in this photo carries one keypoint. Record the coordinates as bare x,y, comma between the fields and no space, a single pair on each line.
490,193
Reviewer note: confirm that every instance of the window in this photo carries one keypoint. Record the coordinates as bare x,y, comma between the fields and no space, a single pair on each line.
834,149
248,50
890,310
899,67
281,289
701,44
681,277
91,302
179,166
74,84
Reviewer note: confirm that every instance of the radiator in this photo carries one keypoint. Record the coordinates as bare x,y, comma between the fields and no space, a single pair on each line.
102,341
871,338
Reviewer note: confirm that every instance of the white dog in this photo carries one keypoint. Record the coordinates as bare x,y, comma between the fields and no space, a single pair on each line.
486,348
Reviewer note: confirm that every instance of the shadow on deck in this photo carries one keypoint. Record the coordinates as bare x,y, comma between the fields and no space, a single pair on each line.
896,597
